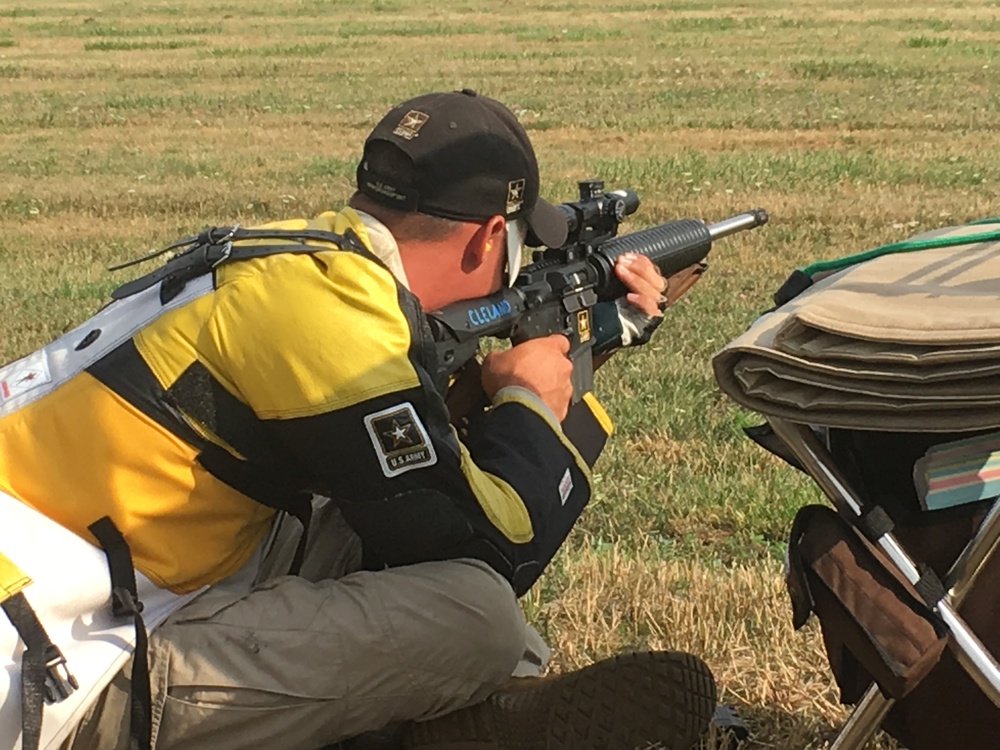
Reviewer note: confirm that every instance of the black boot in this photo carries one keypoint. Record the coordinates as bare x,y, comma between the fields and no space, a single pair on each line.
641,701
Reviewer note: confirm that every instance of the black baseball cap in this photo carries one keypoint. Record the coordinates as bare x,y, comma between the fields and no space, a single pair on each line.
471,159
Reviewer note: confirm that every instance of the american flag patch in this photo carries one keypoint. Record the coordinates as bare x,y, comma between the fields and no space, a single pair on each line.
565,487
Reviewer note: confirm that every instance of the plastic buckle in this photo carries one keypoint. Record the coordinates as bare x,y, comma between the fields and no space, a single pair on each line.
124,603
59,681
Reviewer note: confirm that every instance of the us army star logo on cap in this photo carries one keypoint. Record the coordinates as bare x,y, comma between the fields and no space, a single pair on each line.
409,126
515,195
400,439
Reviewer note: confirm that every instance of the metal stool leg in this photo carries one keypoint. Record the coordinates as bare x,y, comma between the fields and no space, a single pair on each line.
864,720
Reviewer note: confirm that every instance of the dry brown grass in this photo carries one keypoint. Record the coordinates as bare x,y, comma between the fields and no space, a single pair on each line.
737,618
854,123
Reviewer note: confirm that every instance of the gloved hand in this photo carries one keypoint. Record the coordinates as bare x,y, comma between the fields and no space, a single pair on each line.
636,315
637,326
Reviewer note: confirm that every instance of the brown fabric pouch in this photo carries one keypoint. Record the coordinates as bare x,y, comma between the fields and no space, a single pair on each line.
875,625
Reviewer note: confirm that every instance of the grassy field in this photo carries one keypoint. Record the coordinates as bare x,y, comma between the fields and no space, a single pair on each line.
124,126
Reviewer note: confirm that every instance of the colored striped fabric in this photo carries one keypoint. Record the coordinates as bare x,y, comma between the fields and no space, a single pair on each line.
959,472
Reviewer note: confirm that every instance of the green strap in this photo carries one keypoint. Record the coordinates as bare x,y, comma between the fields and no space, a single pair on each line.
905,246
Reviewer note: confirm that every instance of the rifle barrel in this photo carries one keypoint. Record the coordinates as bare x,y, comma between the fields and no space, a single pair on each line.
749,220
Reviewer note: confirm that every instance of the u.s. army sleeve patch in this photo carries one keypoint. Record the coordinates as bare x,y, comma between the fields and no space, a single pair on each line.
400,439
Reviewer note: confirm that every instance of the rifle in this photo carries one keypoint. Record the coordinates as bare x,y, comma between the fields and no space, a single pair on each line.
570,289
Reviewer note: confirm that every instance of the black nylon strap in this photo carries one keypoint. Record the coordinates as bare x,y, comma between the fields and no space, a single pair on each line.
200,260
215,246
36,642
44,675
797,581
32,692
794,285
26,622
125,603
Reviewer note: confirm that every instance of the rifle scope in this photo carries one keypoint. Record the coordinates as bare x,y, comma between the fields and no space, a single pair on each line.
597,214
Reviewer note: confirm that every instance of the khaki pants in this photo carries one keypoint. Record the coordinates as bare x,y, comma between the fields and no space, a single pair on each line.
302,662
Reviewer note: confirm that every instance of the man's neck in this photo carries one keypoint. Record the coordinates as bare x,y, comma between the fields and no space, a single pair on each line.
384,246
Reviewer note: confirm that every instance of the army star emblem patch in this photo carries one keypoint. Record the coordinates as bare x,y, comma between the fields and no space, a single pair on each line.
400,440
515,195
409,126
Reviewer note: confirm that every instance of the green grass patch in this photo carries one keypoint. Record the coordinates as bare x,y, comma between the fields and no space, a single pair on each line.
515,54
410,29
90,28
119,45
912,24
675,7
274,50
526,33
924,42
702,24
822,70
114,30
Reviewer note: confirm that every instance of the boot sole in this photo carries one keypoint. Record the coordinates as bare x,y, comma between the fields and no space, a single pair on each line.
641,701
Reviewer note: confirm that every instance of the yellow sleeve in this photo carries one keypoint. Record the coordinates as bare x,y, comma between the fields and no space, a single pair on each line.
294,333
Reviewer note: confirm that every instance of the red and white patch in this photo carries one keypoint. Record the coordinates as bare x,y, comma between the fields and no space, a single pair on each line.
23,376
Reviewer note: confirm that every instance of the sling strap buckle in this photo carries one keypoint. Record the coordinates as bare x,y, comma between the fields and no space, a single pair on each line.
60,683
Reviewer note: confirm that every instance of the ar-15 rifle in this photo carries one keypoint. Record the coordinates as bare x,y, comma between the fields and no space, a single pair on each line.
559,290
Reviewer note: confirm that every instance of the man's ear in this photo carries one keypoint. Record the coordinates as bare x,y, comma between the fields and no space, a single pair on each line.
485,241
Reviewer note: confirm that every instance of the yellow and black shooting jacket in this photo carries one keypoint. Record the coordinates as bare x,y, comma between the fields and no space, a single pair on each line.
290,373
